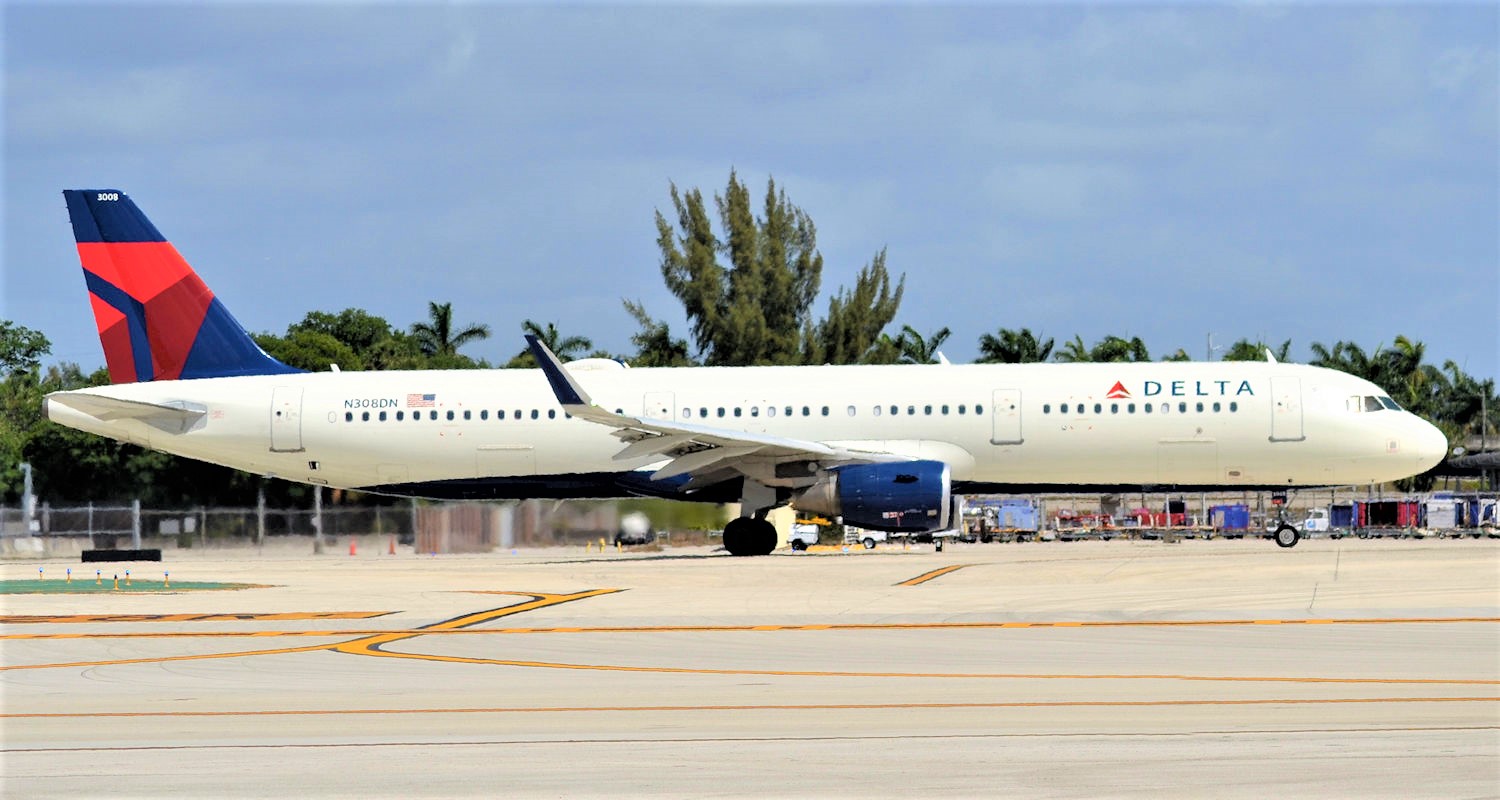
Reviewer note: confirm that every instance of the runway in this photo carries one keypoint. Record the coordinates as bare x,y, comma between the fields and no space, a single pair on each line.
1120,669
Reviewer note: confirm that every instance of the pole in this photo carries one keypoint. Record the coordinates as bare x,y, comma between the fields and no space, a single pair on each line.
135,525
317,519
28,500
260,515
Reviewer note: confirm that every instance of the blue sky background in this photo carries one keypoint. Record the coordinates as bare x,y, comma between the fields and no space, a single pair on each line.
1254,170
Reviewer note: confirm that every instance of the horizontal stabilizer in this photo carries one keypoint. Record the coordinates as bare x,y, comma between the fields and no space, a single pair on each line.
176,416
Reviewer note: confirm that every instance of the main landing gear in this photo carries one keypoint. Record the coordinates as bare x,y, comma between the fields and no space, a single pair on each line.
749,536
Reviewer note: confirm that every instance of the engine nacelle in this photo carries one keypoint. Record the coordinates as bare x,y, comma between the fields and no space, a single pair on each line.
901,497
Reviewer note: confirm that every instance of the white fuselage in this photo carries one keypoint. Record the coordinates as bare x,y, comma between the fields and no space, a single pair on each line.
1000,426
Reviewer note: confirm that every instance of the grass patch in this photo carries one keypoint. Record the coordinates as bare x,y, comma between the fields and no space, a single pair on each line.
82,585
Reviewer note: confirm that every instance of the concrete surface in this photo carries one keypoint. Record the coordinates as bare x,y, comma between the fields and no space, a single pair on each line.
1092,669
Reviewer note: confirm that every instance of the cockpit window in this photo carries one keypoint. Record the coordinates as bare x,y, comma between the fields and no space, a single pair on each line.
1389,403
1372,404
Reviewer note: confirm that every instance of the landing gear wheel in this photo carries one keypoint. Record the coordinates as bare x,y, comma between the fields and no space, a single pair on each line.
747,536
1287,536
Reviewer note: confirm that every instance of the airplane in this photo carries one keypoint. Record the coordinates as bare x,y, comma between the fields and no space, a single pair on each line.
881,447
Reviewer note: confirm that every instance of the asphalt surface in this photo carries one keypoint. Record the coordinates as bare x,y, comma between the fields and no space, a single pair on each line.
1090,669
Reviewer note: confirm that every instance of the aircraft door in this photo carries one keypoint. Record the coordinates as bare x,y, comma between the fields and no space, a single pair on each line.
1286,410
286,419
1006,413
661,405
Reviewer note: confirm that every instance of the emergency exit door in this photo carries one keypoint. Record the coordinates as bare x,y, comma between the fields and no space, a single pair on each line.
286,419
1286,410
1006,414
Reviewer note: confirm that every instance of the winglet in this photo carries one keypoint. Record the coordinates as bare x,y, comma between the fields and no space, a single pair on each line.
568,392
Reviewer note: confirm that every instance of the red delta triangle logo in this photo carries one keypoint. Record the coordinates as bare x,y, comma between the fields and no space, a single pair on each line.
1117,392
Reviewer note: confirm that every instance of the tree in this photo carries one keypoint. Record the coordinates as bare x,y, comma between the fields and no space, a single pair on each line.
21,348
311,350
437,336
757,308
565,348
918,349
1180,355
1014,347
1110,348
654,345
1246,350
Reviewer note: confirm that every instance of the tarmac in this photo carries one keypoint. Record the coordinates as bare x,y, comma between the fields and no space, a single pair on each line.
1087,669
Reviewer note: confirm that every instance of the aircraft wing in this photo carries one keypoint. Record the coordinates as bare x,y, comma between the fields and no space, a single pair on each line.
175,416
706,453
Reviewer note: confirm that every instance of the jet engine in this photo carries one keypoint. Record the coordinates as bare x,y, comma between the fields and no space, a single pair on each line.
901,497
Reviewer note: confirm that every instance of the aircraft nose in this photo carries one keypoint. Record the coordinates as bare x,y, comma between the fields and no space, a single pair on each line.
1429,445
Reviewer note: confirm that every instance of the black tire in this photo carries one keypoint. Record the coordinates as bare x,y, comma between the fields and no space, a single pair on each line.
798,545
1287,536
868,542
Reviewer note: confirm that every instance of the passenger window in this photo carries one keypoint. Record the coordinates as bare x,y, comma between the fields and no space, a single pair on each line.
1098,408
1062,409
737,411
551,413
450,416
754,411
895,410
703,412
484,414
400,415
770,411
721,411
825,411
960,408
1166,408
1114,408
1200,408
851,411
500,414
535,414
911,410
348,416
382,416
1216,408
877,411
1146,408
788,411
1130,408
806,412
1233,406
945,410
518,413
1182,408
687,413
927,410
468,415
364,416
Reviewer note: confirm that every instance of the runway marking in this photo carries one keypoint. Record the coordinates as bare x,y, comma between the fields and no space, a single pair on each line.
927,576
24,619
373,644
538,600
758,707
674,740
826,626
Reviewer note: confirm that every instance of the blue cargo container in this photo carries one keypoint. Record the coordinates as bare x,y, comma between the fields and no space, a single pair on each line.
1230,518
1341,515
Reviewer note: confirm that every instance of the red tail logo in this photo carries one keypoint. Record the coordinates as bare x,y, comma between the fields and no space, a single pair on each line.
1118,392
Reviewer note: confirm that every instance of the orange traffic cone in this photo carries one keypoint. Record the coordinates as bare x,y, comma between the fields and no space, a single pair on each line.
352,547
393,545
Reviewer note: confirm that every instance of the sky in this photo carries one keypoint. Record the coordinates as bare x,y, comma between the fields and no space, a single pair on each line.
1174,172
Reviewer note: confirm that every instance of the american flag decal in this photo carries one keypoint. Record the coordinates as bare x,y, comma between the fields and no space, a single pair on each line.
421,400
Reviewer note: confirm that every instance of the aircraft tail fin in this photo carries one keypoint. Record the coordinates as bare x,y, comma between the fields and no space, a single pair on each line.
156,318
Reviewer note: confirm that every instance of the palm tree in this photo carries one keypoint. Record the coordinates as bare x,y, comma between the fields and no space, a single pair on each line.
566,348
1074,351
916,349
1013,347
1246,350
438,337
